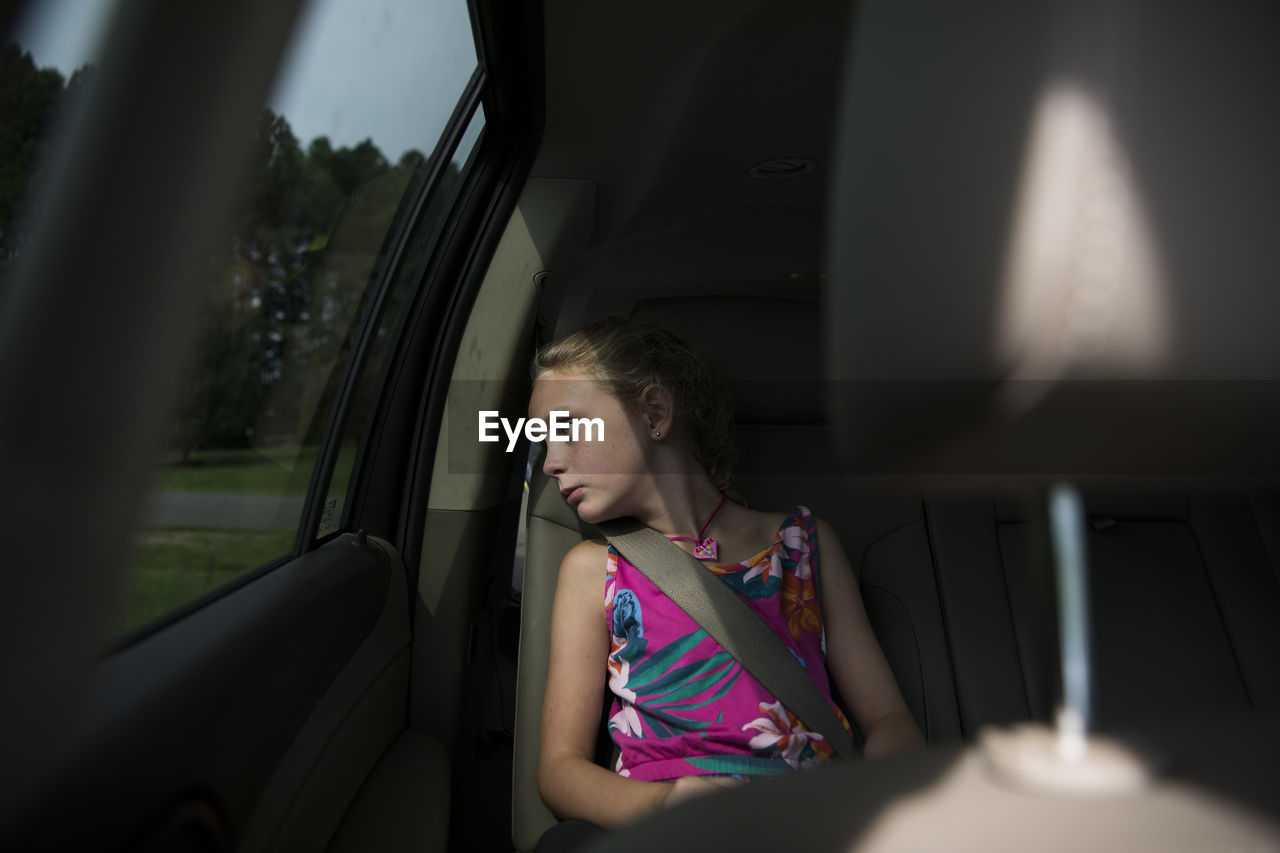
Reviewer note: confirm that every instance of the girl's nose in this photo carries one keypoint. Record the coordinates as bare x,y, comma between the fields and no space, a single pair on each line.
553,459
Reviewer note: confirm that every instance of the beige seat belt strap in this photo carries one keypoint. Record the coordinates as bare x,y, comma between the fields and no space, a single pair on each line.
731,622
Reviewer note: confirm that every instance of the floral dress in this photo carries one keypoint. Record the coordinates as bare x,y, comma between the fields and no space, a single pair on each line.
682,705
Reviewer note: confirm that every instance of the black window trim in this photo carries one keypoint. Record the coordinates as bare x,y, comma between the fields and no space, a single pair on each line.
415,396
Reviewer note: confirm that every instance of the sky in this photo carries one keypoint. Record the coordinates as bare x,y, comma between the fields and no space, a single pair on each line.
390,70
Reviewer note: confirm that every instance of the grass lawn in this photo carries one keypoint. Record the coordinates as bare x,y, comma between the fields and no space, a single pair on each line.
249,471
175,565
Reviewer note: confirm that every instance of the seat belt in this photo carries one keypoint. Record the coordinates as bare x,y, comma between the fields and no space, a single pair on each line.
731,622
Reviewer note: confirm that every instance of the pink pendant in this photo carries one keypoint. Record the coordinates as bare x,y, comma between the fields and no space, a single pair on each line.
706,549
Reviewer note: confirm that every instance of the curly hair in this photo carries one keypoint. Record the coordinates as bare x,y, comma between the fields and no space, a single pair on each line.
630,358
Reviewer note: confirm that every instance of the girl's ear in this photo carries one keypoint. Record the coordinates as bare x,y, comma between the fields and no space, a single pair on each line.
658,410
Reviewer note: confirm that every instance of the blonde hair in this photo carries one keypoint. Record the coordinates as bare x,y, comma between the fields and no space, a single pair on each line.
629,359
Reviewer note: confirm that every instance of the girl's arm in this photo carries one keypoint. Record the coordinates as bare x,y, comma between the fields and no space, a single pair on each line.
571,783
855,659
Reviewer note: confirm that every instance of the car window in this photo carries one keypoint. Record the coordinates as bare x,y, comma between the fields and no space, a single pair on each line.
358,415
342,158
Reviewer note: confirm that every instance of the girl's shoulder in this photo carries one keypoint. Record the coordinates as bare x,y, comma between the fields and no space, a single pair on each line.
774,522
756,529
584,559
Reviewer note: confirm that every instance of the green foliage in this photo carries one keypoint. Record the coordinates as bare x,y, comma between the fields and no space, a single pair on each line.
290,287
176,565
311,229
276,471
28,99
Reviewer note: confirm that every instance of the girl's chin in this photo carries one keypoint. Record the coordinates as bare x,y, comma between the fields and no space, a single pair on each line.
591,514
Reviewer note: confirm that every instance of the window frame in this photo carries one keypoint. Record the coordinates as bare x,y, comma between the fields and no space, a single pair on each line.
402,232
391,476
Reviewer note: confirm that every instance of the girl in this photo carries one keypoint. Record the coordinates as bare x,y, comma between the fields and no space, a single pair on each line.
685,717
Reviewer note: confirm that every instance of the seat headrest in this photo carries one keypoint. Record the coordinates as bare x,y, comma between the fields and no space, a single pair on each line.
1052,241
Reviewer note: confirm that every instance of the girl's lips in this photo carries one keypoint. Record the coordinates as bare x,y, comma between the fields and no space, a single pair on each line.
573,495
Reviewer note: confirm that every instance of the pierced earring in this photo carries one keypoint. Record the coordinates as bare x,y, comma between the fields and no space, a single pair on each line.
657,435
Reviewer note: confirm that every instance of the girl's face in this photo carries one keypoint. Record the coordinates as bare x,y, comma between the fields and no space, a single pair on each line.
600,479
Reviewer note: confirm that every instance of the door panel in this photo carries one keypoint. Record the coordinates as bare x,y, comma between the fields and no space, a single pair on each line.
255,717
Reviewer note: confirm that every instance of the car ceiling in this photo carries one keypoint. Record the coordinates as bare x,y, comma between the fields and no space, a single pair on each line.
663,108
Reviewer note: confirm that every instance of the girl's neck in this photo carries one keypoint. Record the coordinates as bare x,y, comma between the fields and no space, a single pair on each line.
683,505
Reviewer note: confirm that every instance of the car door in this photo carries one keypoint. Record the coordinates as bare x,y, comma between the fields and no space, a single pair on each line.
220,654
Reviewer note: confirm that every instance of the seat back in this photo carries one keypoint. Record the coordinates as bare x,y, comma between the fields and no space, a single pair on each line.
553,528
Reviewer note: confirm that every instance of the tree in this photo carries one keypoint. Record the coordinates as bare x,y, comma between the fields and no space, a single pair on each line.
29,97
311,230
309,234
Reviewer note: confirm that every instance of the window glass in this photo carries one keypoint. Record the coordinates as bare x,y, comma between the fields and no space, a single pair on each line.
364,95
411,269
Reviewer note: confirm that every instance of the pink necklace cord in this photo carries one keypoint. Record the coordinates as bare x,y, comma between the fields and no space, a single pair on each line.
703,549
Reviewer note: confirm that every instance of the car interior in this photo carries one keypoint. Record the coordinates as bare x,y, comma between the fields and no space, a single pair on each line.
988,282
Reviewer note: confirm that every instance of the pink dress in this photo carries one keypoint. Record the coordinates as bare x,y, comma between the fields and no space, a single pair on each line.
682,706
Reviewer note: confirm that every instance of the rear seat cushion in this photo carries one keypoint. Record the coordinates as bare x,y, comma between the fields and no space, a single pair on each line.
1186,610
901,597
1232,536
